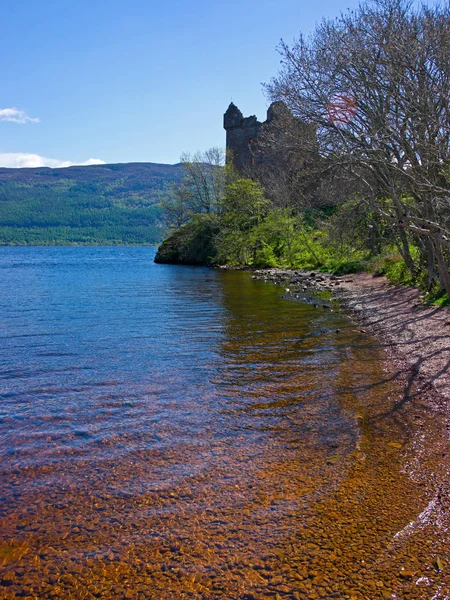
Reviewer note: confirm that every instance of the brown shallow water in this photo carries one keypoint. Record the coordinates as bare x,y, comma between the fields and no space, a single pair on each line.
259,448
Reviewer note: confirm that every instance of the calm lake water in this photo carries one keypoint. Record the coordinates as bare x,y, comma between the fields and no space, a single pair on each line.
169,432
105,353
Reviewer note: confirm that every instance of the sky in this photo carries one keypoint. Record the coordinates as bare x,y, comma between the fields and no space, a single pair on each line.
85,82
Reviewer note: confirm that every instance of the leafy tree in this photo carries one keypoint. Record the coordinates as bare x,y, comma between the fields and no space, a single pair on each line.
243,205
204,180
243,208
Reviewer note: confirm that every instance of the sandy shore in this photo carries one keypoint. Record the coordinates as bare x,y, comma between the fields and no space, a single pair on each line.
416,336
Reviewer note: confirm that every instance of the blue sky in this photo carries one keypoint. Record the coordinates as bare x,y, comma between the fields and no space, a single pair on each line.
129,81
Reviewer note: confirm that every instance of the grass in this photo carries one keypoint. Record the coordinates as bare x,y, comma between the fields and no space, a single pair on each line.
437,299
343,266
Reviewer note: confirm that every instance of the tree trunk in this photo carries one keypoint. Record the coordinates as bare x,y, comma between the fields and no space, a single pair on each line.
405,252
404,249
443,268
431,271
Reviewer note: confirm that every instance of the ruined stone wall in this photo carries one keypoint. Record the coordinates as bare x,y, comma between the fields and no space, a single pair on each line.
251,143
281,153
242,133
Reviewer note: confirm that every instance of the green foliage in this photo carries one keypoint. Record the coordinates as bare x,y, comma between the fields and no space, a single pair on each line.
394,268
242,209
243,205
278,238
289,240
246,232
438,299
191,244
339,265
396,271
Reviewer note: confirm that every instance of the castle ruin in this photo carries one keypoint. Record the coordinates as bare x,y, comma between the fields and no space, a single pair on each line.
241,135
252,143
278,152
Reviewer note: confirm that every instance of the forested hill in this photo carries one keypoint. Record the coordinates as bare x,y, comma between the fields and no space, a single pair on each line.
97,204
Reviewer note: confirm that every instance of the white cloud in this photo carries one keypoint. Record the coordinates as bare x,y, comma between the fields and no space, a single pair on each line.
19,160
14,115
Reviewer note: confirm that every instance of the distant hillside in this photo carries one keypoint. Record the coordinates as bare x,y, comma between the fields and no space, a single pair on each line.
98,204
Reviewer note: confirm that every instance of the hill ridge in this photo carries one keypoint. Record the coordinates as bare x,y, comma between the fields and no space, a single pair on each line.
112,203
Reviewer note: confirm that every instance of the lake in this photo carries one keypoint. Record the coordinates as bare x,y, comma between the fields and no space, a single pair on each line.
172,432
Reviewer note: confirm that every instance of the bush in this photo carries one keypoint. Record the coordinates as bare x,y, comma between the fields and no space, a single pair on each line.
394,268
438,299
192,244
342,266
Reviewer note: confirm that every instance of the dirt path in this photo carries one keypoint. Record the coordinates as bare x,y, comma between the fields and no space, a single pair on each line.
413,333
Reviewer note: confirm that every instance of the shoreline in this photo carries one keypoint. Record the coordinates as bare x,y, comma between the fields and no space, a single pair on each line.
415,341
413,334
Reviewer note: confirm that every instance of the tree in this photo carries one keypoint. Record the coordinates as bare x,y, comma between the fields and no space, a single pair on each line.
204,179
175,202
242,209
243,205
376,83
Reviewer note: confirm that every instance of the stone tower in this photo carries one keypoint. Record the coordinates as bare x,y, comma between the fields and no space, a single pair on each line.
241,135
281,142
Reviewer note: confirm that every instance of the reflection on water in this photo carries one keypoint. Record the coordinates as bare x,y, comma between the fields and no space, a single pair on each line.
171,432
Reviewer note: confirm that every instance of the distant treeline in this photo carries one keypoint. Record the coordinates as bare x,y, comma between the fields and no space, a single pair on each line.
56,207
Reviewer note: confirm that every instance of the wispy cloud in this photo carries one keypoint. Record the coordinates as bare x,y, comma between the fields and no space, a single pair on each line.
18,160
15,115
